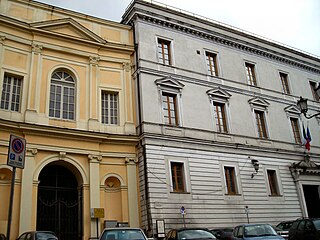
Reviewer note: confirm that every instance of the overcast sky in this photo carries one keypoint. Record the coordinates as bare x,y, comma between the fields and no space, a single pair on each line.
295,23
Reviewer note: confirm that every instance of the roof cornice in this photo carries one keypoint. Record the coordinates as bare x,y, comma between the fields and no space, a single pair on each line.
230,42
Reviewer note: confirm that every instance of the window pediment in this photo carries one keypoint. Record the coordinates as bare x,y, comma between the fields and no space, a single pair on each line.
169,83
292,110
68,26
258,102
219,93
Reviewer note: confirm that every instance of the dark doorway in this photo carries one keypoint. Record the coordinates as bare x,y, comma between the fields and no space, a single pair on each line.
59,206
311,195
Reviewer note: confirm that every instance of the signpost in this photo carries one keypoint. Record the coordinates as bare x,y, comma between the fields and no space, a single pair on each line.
183,212
16,157
246,209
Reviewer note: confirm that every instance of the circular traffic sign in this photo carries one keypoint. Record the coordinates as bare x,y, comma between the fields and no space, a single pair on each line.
17,145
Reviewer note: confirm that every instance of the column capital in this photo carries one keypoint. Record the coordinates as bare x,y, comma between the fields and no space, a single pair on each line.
126,66
31,152
2,38
131,160
94,60
94,158
36,48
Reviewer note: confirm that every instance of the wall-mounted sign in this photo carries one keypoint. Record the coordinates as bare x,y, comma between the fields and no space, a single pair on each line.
97,212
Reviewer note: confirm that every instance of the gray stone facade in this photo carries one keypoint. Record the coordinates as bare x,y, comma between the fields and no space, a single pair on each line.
172,52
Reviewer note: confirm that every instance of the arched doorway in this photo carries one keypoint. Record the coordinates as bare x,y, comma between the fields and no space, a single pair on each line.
59,206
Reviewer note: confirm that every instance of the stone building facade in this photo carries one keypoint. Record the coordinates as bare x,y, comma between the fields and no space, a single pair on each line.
215,103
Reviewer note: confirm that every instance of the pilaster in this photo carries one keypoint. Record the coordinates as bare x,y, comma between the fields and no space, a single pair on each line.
93,96
94,161
26,204
34,83
131,164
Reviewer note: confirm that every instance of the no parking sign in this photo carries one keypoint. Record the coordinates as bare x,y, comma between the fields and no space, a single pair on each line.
16,152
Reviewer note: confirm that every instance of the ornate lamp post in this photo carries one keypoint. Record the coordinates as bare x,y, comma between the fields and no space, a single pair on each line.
303,106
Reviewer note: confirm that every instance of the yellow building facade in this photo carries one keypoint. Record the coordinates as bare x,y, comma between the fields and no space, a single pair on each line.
67,89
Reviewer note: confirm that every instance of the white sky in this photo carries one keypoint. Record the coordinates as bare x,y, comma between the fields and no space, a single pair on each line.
295,23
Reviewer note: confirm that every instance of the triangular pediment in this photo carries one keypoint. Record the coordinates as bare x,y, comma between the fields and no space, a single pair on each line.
293,109
68,27
219,93
169,82
259,102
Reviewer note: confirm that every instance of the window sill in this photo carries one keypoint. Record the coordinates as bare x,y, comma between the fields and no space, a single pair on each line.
179,192
227,194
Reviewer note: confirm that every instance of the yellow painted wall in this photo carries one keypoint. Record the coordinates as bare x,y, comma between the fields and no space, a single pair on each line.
81,144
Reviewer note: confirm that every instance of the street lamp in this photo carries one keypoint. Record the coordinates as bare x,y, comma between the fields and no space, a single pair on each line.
303,106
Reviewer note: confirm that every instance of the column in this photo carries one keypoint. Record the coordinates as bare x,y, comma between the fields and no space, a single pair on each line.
133,191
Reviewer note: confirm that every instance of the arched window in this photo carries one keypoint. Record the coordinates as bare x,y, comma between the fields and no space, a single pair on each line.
62,95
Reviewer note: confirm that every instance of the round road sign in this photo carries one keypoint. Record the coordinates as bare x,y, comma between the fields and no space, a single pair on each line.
17,145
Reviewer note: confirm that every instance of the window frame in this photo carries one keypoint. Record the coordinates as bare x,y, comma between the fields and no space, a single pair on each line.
251,73
295,127
108,93
278,184
166,113
161,54
237,179
284,78
273,182
230,180
185,167
220,116
65,86
261,124
313,85
178,180
14,94
211,59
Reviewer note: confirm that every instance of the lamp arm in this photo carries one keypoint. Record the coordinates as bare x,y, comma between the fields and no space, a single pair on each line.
310,116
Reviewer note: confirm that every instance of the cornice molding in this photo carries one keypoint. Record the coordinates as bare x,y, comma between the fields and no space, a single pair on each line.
228,42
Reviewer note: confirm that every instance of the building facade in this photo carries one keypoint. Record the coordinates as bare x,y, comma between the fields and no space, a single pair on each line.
66,88
221,134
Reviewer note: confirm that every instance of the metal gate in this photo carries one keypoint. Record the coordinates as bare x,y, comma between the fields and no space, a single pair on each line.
59,203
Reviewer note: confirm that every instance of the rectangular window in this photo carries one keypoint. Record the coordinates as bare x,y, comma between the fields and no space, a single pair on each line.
273,183
295,130
164,52
284,82
220,117
230,180
261,124
11,93
169,107
313,86
109,108
212,67
251,75
177,175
